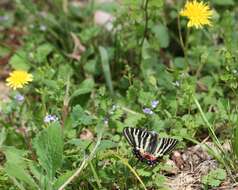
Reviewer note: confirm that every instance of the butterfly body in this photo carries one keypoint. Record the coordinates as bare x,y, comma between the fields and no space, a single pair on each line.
147,146
145,156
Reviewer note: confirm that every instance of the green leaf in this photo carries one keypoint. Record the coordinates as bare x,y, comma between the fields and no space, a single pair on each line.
50,83
91,67
223,2
79,117
42,52
156,3
16,166
144,173
133,119
49,148
214,177
81,144
161,32
106,144
180,62
19,61
106,68
84,88
145,98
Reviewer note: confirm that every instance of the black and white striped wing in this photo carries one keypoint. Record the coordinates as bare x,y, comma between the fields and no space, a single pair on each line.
164,146
141,138
133,135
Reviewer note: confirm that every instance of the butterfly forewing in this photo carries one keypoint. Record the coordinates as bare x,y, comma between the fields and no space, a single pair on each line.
128,134
133,135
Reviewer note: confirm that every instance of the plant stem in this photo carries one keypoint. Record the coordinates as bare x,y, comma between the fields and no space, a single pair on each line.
65,6
65,109
214,137
146,21
125,162
184,46
217,142
180,34
95,175
129,110
83,165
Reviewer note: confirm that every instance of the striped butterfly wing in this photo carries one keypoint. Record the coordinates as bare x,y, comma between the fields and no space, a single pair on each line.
147,147
164,146
132,135
140,138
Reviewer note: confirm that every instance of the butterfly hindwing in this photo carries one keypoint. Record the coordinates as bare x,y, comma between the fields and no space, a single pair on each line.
164,146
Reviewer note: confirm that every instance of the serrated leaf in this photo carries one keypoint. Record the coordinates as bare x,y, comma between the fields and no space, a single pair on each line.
49,148
214,177
16,166
19,61
79,117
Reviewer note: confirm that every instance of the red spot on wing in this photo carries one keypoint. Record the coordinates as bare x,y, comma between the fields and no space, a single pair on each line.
148,156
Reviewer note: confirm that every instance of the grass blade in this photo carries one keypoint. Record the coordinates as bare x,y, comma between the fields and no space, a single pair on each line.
106,68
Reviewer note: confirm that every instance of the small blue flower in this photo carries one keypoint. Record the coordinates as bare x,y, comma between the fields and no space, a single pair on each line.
50,118
148,111
4,18
154,103
19,98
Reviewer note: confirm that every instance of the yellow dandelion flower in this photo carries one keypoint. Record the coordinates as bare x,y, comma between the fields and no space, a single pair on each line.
198,13
18,79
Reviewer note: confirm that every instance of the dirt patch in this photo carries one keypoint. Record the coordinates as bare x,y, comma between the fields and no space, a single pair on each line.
193,164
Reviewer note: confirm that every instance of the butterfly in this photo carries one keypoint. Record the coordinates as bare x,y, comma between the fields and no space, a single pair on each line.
147,146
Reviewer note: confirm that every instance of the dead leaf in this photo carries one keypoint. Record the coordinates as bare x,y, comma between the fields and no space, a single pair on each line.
201,87
86,134
178,160
78,48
